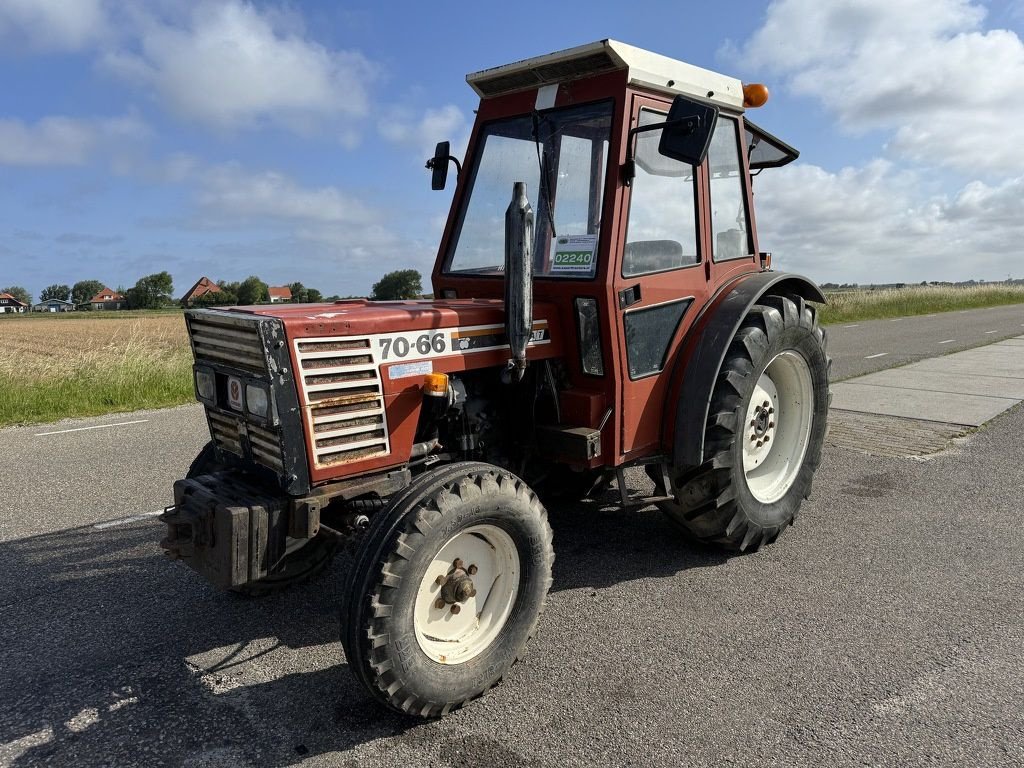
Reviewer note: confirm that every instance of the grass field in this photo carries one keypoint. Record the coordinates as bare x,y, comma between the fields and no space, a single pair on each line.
847,306
91,363
52,367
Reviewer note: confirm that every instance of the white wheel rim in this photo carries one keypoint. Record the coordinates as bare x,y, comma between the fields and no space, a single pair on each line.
777,428
456,637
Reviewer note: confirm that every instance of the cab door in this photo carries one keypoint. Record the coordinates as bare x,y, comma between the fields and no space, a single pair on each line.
661,277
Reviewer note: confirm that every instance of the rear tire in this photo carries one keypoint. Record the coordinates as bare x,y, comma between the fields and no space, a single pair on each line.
415,650
765,430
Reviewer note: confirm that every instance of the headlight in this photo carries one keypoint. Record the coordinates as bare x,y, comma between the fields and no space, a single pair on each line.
256,400
206,385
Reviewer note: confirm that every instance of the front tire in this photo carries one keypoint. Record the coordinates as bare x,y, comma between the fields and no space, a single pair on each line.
447,588
765,430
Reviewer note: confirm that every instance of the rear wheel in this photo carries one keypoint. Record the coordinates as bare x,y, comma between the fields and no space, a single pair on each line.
447,588
765,430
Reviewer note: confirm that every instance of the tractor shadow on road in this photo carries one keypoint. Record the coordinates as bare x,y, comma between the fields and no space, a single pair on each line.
114,655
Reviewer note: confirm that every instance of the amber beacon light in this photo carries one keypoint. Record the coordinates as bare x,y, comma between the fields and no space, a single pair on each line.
754,95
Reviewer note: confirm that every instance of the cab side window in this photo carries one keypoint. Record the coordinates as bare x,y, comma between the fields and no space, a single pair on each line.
661,232
730,221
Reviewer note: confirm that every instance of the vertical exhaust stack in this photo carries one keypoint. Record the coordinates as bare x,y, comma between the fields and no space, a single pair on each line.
518,277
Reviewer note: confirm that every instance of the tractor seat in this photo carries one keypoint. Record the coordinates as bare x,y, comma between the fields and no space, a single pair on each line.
643,256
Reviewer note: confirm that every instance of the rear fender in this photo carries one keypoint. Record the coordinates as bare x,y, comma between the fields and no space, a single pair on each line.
703,350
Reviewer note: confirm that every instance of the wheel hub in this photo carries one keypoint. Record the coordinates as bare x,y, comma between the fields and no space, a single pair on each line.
461,609
457,587
778,426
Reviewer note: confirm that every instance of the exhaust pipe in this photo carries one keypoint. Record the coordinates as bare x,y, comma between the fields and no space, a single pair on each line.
518,278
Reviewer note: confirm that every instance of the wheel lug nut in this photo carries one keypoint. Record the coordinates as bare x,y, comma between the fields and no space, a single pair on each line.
456,608
758,443
771,411
771,424
766,404
439,603
440,580
767,438
473,593
753,422
457,564
472,570
753,438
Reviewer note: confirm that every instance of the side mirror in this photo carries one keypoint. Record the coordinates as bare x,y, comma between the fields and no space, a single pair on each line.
686,135
438,164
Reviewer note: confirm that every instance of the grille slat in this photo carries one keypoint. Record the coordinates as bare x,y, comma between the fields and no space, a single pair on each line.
341,381
225,341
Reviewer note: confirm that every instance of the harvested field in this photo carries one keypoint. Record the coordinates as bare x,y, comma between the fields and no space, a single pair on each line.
849,306
82,365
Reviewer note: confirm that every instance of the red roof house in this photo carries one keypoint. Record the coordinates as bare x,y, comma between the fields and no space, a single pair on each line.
108,299
10,304
204,286
280,293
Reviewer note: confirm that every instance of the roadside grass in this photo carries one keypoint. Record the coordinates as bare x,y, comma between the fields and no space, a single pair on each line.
55,366
849,306
59,367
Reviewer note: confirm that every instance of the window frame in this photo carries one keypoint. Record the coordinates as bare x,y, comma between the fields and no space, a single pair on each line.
610,172
739,137
695,183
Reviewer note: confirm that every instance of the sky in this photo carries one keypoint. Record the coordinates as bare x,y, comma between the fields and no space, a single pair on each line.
227,138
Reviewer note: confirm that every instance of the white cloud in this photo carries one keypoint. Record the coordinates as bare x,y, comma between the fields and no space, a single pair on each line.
55,141
422,132
872,224
233,192
924,70
52,25
228,65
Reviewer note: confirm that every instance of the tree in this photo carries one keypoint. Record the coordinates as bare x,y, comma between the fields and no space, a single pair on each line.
303,295
401,284
55,291
252,290
151,292
84,290
19,293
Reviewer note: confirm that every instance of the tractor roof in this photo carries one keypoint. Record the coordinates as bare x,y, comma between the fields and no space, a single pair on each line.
645,69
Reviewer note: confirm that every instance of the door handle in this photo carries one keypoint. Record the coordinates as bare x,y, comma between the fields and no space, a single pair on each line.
629,296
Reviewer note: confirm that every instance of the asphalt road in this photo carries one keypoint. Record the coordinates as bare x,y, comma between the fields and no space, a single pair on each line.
885,628
871,345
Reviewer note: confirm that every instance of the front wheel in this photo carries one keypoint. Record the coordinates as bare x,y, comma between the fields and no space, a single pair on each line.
765,430
447,588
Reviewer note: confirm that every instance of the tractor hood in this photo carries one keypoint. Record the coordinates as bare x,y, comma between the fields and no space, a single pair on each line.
364,318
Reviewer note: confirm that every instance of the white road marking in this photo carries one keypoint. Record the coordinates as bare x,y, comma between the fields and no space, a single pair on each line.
851,326
880,354
895,319
127,520
989,331
98,426
947,341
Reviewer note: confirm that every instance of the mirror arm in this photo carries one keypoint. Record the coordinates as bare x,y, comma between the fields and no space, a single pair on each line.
629,167
458,165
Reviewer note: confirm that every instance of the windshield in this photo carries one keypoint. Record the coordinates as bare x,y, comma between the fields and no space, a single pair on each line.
561,155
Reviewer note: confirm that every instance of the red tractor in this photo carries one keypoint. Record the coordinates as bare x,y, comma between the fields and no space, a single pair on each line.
600,303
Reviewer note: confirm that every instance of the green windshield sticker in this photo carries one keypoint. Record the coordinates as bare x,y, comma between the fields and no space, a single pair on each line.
574,253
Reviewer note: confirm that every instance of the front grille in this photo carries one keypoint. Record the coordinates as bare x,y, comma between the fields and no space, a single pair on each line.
341,382
233,345
227,341
264,444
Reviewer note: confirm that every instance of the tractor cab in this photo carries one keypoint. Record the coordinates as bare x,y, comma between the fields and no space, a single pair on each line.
637,170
